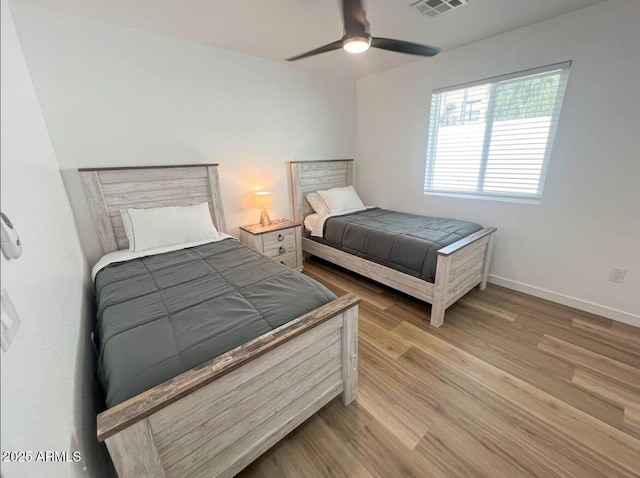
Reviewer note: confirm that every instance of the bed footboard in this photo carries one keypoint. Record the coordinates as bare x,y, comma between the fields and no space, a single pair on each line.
216,419
461,266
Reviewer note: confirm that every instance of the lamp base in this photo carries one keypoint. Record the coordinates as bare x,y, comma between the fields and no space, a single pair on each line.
264,218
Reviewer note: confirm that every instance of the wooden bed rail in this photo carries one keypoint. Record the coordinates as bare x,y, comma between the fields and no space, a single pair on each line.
122,416
466,241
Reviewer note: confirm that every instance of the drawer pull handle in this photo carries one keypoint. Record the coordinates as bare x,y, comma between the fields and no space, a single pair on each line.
280,237
282,262
282,250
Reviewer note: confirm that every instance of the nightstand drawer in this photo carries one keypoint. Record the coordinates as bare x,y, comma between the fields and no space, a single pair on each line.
288,260
280,248
279,241
271,239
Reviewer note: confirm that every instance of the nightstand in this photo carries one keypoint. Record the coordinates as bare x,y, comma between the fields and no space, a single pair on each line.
280,240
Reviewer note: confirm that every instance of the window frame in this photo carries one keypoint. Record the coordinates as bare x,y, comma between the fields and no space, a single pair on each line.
434,123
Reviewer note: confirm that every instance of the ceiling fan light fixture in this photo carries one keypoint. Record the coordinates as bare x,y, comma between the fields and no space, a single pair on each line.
356,44
357,35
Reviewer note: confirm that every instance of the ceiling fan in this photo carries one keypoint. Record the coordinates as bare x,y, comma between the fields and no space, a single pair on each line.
357,36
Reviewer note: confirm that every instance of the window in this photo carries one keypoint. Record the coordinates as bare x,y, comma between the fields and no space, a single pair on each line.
494,137
472,110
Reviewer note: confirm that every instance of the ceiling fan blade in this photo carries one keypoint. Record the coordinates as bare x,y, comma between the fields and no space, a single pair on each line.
404,47
355,18
336,45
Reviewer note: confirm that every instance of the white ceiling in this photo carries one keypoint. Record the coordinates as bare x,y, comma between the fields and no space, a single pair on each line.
277,29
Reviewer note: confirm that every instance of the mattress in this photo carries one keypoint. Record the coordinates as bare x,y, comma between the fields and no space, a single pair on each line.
164,314
405,242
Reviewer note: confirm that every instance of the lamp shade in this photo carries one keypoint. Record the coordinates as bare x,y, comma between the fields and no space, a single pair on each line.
262,200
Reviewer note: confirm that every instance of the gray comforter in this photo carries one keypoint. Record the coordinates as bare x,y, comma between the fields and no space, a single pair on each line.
161,315
401,241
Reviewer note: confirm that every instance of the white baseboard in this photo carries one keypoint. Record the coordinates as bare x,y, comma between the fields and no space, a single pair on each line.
604,311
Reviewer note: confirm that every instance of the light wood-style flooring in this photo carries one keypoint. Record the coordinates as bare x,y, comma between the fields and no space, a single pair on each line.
509,386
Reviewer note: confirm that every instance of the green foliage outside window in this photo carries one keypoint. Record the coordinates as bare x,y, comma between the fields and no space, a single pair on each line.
528,98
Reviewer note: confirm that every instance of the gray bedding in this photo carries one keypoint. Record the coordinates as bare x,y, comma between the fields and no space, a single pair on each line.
161,315
401,241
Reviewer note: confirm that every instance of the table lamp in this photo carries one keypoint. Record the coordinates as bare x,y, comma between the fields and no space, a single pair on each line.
262,200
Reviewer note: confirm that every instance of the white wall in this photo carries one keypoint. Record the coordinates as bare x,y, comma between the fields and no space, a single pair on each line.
47,398
588,220
113,95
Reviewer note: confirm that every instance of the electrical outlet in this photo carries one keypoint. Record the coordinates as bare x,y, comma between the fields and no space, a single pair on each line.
617,274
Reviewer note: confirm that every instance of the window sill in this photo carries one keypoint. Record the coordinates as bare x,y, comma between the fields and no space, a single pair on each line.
520,200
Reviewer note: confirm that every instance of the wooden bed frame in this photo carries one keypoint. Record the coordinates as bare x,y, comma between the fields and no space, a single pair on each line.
217,418
460,266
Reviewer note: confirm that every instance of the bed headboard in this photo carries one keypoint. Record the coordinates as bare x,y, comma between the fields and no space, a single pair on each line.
310,176
109,190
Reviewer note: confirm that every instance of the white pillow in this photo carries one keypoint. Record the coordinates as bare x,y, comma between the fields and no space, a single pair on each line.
167,226
317,203
340,200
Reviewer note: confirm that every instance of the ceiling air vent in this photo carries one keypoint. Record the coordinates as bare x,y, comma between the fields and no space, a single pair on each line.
434,8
